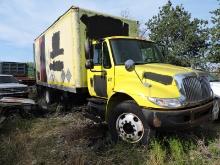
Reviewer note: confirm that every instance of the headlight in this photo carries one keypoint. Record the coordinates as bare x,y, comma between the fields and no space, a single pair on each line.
164,102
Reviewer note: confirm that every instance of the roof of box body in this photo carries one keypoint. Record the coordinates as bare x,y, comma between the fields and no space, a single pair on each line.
128,37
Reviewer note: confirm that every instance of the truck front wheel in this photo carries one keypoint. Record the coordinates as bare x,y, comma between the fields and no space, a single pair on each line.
127,122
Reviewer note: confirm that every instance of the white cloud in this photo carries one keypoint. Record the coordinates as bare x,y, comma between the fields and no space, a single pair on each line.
23,20
14,36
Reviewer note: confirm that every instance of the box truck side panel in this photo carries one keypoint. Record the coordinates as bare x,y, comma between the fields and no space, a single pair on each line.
59,51
56,54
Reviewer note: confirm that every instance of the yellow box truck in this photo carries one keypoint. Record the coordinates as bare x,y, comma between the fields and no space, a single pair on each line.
129,85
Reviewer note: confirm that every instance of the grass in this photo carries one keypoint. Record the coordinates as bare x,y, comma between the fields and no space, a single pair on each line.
73,139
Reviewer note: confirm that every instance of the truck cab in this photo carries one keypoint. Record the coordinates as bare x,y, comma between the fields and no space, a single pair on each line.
137,93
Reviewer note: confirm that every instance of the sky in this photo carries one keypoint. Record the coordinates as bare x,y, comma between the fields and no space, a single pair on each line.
21,21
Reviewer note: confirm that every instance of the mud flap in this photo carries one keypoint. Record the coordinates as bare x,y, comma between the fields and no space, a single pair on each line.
215,111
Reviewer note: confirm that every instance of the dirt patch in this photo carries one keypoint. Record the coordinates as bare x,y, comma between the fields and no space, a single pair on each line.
77,132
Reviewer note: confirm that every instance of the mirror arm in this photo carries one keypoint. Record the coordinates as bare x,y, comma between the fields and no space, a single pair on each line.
138,76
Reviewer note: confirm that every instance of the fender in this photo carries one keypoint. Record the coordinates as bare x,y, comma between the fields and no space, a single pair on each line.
118,97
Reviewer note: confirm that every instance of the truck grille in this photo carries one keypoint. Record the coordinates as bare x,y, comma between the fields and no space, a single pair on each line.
196,88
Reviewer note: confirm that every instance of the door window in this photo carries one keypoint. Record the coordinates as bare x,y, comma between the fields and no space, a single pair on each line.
98,59
106,57
97,54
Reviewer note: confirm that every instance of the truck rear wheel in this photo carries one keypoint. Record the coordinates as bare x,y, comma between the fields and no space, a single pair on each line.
127,122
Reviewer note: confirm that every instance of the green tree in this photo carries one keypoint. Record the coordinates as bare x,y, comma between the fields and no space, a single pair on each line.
214,54
186,38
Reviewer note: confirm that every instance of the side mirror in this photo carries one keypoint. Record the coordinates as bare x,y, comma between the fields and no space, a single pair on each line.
129,65
89,64
88,50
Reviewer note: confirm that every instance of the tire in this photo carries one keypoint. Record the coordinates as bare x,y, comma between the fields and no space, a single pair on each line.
127,122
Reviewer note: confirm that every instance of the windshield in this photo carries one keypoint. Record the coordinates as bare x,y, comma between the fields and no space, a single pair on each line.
213,78
7,79
141,52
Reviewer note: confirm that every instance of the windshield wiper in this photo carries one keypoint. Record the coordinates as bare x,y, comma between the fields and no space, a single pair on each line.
140,63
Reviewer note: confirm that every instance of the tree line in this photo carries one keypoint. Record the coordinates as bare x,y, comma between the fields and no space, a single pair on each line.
190,41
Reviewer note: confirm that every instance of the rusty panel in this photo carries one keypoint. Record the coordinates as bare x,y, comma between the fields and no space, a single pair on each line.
43,74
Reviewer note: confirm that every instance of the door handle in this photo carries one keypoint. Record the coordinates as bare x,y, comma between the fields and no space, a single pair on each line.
104,73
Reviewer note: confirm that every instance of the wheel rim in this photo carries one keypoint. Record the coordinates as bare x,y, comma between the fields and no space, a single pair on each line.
129,127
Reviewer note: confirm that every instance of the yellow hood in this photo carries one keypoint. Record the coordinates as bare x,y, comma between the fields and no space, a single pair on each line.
163,69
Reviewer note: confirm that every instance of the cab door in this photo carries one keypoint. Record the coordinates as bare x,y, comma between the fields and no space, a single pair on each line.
101,77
